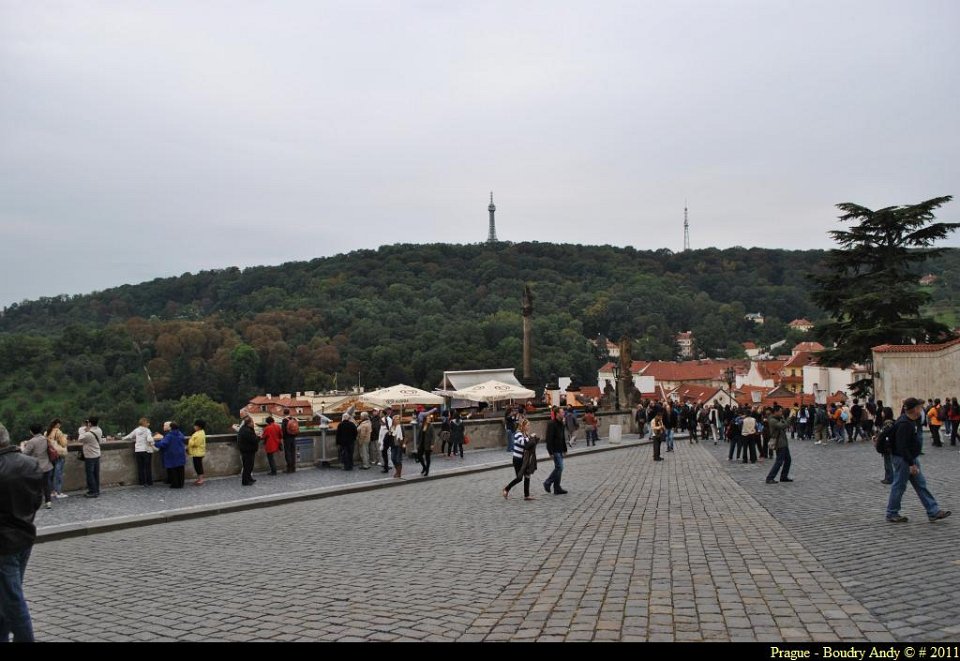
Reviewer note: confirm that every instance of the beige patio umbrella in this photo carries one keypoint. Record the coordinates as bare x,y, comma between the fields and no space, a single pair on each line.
493,391
401,395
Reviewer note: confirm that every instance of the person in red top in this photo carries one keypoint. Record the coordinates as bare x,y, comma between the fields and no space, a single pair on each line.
272,440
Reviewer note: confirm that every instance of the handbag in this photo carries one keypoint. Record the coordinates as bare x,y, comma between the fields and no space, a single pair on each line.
80,454
52,453
466,439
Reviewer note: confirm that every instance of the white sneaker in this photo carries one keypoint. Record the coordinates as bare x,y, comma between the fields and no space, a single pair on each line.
62,495
819,443
49,505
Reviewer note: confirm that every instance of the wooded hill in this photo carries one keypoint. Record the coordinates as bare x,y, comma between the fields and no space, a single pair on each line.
403,313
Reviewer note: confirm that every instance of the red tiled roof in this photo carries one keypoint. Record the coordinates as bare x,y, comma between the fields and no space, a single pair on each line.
748,345
694,370
796,323
590,392
800,359
635,367
770,369
812,347
695,393
915,348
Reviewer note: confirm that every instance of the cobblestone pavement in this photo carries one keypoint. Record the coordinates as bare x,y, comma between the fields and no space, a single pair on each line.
907,575
676,550
137,500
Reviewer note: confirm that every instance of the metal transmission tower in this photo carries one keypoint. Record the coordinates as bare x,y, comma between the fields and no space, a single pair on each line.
686,229
492,236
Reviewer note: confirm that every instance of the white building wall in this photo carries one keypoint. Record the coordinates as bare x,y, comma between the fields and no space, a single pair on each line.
926,375
829,379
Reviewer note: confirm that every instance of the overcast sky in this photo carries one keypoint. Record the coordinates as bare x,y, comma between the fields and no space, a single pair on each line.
146,139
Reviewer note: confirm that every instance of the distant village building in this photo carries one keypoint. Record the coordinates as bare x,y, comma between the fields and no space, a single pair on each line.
685,344
755,317
751,349
803,325
928,279
649,376
262,407
764,373
807,347
703,395
915,370
792,372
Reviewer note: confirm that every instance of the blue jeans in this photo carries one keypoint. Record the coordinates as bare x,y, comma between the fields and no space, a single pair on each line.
554,478
92,469
783,459
58,474
901,473
669,435
14,615
510,441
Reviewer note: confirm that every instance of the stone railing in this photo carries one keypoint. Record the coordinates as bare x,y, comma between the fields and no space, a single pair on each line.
118,465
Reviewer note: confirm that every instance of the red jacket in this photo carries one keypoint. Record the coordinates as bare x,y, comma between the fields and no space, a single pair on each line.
272,436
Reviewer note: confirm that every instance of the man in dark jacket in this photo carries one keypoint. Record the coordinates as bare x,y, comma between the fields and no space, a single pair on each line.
21,493
556,448
347,440
248,443
289,444
780,444
906,465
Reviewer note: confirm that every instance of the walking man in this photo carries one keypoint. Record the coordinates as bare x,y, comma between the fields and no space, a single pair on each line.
906,465
556,448
779,443
21,493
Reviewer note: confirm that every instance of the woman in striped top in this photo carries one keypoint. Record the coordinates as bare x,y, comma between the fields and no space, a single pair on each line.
520,440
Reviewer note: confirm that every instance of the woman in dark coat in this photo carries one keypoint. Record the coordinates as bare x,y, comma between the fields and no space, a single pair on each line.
173,450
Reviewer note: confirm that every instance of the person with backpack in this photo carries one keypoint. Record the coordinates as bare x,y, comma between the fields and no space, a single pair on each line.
906,466
90,440
570,420
882,442
290,427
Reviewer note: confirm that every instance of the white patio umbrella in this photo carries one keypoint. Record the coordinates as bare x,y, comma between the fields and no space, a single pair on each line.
493,391
401,395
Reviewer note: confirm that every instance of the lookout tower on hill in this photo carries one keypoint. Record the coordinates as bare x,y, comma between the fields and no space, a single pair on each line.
492,235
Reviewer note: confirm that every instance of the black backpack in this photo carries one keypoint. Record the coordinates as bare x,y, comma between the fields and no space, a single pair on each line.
885,439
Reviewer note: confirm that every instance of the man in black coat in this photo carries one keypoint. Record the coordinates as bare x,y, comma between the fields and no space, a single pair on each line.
906,465
556,447
21,494
248,443
346,440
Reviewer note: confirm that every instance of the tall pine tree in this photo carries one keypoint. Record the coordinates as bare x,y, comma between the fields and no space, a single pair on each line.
869,285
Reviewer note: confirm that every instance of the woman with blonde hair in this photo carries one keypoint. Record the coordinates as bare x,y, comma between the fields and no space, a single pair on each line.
58,442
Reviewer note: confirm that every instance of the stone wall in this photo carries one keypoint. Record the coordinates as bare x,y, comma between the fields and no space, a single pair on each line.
118,465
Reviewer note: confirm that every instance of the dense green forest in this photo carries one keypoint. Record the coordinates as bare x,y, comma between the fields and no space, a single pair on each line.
403,313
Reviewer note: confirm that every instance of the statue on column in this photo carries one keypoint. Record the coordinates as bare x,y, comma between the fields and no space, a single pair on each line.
626,378
527,301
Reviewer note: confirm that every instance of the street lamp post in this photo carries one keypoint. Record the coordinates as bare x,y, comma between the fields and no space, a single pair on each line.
730,376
